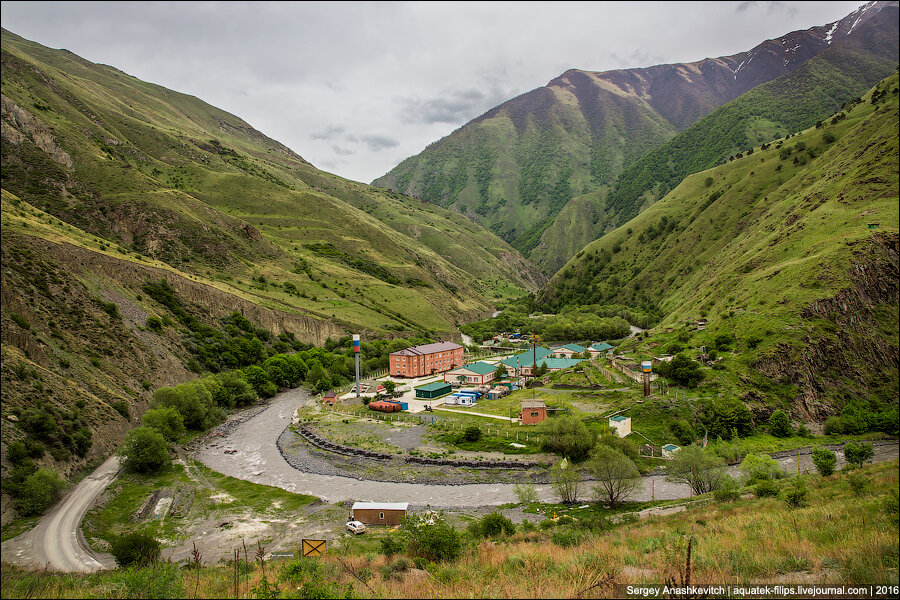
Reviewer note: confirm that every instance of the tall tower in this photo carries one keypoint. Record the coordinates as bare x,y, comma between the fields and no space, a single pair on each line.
646,369
356,347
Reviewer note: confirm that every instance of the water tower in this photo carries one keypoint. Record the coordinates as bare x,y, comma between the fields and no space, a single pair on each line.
356,347
646,369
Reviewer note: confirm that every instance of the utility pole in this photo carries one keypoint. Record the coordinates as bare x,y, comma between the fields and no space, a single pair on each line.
356,346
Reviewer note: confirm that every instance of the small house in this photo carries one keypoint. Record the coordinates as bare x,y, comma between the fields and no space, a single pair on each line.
568,351
533,412
669,450
330,397
433,390
598,349
621,424
379,513
478,373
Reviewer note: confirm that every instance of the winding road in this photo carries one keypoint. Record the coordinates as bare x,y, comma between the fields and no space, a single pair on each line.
56,542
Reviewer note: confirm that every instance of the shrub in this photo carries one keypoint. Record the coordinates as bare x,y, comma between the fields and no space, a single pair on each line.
431,537
472,434
391,545
760,467
766,488
527,526
154,324
616,475
136,549
38,492
121,407
824,460
795,495
856,453
780,424
565,478
568,437
525,493
566,537
858,482
145,451
495,524
728,491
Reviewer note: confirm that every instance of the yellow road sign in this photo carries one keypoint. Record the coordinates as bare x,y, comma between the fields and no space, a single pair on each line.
314,547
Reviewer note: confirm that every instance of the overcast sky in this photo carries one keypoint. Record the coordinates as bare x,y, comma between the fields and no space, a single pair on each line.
355,88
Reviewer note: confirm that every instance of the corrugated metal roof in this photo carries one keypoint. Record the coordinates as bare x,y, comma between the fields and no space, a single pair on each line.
433,387
670,447
618,418
533,404
482,368
380,505
427,349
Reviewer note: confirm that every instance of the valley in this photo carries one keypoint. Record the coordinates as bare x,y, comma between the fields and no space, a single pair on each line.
635,326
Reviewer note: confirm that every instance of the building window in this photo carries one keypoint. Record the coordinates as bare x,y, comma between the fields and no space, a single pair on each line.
381,516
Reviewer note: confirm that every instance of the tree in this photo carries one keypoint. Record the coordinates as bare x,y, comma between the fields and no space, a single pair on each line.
825,460
568,437
780,424
38,492
856,453
472,434
702,470
430,536
145,451
500,373
683,370
565,478
165,420
389,387
617,477
193,400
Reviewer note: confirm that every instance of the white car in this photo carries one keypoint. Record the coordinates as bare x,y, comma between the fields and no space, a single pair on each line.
355,527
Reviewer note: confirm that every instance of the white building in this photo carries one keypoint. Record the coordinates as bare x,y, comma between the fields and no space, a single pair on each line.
621,424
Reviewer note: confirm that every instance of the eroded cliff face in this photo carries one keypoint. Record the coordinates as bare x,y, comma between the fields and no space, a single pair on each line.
851,346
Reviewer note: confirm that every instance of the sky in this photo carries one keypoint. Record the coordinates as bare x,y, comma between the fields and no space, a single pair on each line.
356,87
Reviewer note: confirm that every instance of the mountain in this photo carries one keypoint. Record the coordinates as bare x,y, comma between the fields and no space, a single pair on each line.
112,185
790,252
537,169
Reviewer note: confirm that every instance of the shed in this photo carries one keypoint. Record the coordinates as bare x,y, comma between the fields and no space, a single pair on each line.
379,513
330,397
669,450
433,390
533,412
621,424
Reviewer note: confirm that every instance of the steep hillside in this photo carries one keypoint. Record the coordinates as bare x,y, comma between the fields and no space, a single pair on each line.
537,169
790,250
172,178
110,183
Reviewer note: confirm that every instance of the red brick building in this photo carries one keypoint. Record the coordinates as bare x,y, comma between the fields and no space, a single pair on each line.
533,412
419,361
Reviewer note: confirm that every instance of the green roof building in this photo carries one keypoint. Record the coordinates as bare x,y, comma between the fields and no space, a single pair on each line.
433,390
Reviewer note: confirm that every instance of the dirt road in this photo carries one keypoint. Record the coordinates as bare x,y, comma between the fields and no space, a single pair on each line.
56,542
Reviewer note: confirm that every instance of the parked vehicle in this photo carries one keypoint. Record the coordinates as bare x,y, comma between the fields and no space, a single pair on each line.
355,527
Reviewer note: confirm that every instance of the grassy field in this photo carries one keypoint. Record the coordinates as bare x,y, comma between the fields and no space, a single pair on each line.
837,537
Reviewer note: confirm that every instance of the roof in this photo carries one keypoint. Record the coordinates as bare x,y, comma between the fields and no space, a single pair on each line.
527,358
380,505
670,447
559,363
482,368
330,394
602,346
434,387
427,349
573,348
618,418
533,404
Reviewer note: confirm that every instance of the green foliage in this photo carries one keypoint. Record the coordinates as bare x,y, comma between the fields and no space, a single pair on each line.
722,417
825,461
780,424
145,451
135,549
700,469
525,493
193,401
568,437
364,265
767,488
166,420
472,434
729,490
857,453
760,467
565,478
38,492
859,483
431,537
390,545
682,370
796,494
121,407
616,475
493,525
158,580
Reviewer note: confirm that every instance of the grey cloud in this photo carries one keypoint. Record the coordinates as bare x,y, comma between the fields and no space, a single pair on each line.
341,151
379,142
329,133
453,107
744,6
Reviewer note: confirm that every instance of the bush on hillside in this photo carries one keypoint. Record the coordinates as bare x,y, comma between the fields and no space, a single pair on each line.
145,451
825,461
767,488
857,453
431,537
729,490
38,492
780,424
700,469
568,437
167,421
135,549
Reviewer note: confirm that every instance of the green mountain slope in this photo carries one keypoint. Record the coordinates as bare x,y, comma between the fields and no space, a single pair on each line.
171,178
792,250
539,170
789,103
